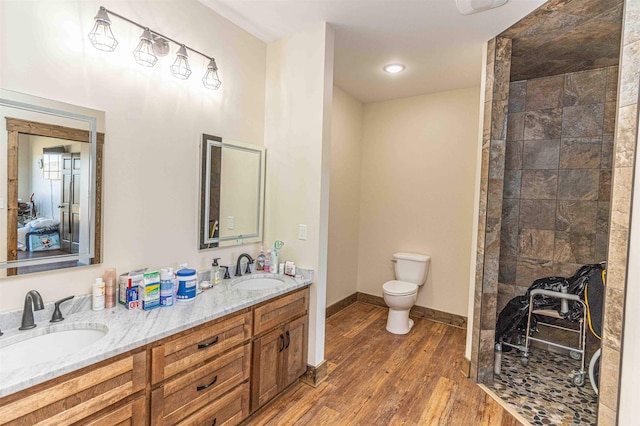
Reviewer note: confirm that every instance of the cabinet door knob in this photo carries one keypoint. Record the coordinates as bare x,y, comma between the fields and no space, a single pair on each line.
206,345
288,339
213,382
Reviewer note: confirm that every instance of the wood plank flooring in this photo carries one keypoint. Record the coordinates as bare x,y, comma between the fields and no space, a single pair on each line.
378,378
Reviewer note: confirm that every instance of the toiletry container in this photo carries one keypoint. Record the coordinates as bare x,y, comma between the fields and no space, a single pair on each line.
400,294
167,292
274,261
109,288
267,261
187,283
98,295
260,260
215,272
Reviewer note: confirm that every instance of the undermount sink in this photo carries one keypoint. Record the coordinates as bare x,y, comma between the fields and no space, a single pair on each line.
49,345
258,283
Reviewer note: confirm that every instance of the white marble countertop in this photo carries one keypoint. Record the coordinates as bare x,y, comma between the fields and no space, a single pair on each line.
130,329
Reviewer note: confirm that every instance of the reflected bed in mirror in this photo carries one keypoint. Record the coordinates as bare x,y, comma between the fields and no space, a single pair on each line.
50,184
232,192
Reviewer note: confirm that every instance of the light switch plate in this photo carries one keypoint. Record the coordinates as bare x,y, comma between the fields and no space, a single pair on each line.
229,222
302,232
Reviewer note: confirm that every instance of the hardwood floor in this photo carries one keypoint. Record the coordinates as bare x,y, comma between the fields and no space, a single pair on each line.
378,378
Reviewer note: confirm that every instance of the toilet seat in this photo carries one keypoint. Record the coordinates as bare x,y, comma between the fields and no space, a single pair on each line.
399,288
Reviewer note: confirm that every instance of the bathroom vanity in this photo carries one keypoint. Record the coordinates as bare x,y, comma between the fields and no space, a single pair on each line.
216,372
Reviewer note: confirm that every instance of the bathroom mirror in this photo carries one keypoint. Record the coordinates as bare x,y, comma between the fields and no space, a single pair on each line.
232,192
50,184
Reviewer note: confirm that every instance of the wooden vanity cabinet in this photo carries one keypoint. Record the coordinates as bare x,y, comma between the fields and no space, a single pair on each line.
194,373
280,351
101,394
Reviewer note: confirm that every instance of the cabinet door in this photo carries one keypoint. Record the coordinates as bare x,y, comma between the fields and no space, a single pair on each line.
134,413
77,396
267,364
295,353
280,311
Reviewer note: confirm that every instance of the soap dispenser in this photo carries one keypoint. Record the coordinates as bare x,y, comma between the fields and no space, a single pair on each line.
215,271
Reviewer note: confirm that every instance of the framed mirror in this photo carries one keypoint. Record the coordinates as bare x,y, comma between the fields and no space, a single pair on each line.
50,184
232,192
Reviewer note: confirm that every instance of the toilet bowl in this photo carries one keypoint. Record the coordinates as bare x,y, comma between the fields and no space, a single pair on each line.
401,294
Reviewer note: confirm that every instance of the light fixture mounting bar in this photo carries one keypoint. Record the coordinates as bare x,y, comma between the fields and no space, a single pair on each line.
112,13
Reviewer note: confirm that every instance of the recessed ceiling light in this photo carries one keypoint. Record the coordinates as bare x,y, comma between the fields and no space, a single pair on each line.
394,68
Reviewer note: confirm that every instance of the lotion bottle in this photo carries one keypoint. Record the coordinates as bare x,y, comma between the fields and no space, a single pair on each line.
98,295
215,271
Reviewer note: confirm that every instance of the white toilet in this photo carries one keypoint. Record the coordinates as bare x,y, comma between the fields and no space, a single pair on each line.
400,294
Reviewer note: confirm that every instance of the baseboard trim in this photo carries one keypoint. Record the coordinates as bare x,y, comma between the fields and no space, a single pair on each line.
465,367
340,305
419,311
315,375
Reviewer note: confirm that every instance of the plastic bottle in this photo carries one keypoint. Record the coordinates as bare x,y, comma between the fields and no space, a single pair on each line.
497,360
98,295
267,261
109,288
260,260
274,261
215,271
167,288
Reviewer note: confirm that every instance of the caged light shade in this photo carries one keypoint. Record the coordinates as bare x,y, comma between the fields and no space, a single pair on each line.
180,68
144,53
211,79
101,36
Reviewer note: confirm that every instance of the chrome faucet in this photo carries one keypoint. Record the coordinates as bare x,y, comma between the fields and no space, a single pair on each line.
32,301
239,265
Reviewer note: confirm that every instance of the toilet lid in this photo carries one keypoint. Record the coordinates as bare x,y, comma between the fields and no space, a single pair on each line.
399,288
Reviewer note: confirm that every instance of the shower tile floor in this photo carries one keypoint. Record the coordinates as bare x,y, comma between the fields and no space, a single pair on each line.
542,392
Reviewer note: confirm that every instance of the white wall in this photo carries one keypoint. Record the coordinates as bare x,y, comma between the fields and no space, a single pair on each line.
418,181
154,122
344,200
297,138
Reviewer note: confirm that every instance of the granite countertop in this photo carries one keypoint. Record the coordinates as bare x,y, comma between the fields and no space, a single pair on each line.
128,329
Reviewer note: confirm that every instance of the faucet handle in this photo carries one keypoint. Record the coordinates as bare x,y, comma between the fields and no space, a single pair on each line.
226,272
57,314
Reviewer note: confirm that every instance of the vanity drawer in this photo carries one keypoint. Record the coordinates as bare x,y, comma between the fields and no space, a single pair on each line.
77,396
191,391
280,311
229,410
193,347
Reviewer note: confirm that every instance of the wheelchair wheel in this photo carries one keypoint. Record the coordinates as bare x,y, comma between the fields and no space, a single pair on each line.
594,370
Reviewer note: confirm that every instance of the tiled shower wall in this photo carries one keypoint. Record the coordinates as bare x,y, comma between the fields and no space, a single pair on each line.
557,181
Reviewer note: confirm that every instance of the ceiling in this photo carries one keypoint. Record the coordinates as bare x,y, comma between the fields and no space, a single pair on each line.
440,47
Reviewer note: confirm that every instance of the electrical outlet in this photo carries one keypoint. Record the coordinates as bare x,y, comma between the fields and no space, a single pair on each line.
229,222
302,232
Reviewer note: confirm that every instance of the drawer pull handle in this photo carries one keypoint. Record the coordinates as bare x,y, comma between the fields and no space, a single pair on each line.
199,388
206,345
288,339
281,343
214,422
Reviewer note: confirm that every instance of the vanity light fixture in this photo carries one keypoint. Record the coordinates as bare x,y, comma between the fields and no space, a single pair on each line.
151,45
211,79
144,53
394,68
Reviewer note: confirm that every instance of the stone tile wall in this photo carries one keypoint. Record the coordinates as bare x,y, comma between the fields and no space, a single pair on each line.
558,161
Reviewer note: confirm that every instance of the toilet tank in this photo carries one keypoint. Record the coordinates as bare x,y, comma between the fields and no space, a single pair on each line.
411,267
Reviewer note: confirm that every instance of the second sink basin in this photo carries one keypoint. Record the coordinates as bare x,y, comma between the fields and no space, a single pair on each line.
258,283
54,343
